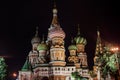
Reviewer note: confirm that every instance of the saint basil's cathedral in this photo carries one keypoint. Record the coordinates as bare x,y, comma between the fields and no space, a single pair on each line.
47,59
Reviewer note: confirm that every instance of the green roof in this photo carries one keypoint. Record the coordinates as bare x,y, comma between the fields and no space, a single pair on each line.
42,46
72,47
80,40
27,66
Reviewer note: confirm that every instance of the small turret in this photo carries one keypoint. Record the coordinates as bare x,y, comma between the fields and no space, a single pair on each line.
42,48
72,49
35,40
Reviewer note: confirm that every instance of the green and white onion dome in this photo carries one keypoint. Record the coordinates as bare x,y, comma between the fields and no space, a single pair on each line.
72,47
80,40
42,46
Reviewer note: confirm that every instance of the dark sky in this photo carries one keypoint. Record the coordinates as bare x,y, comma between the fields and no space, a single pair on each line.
18,20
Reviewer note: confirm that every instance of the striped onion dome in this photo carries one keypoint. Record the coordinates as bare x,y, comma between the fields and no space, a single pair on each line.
79,39
55,30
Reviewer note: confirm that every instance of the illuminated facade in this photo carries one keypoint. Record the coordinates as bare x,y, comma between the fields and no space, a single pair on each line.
47,59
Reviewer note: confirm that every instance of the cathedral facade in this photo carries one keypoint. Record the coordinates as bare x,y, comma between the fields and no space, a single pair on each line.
47,59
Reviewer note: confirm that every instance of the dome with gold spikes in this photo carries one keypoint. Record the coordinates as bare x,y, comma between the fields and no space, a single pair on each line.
55,30
79,39
35,39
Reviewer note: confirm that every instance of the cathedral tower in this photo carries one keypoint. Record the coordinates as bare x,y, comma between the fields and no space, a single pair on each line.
42,48
35,40
56,36
57,50
73,58
80,44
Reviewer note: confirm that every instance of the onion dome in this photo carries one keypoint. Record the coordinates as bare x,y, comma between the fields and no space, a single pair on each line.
35,39
42,46
79,39
72,46
55,30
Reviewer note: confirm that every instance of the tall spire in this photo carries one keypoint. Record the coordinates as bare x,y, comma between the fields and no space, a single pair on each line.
98,44
98,51
55,19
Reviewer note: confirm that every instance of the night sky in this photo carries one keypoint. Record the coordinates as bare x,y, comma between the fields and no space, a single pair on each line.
18,21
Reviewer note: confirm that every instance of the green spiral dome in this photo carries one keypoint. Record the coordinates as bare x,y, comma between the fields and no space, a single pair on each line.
80,40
